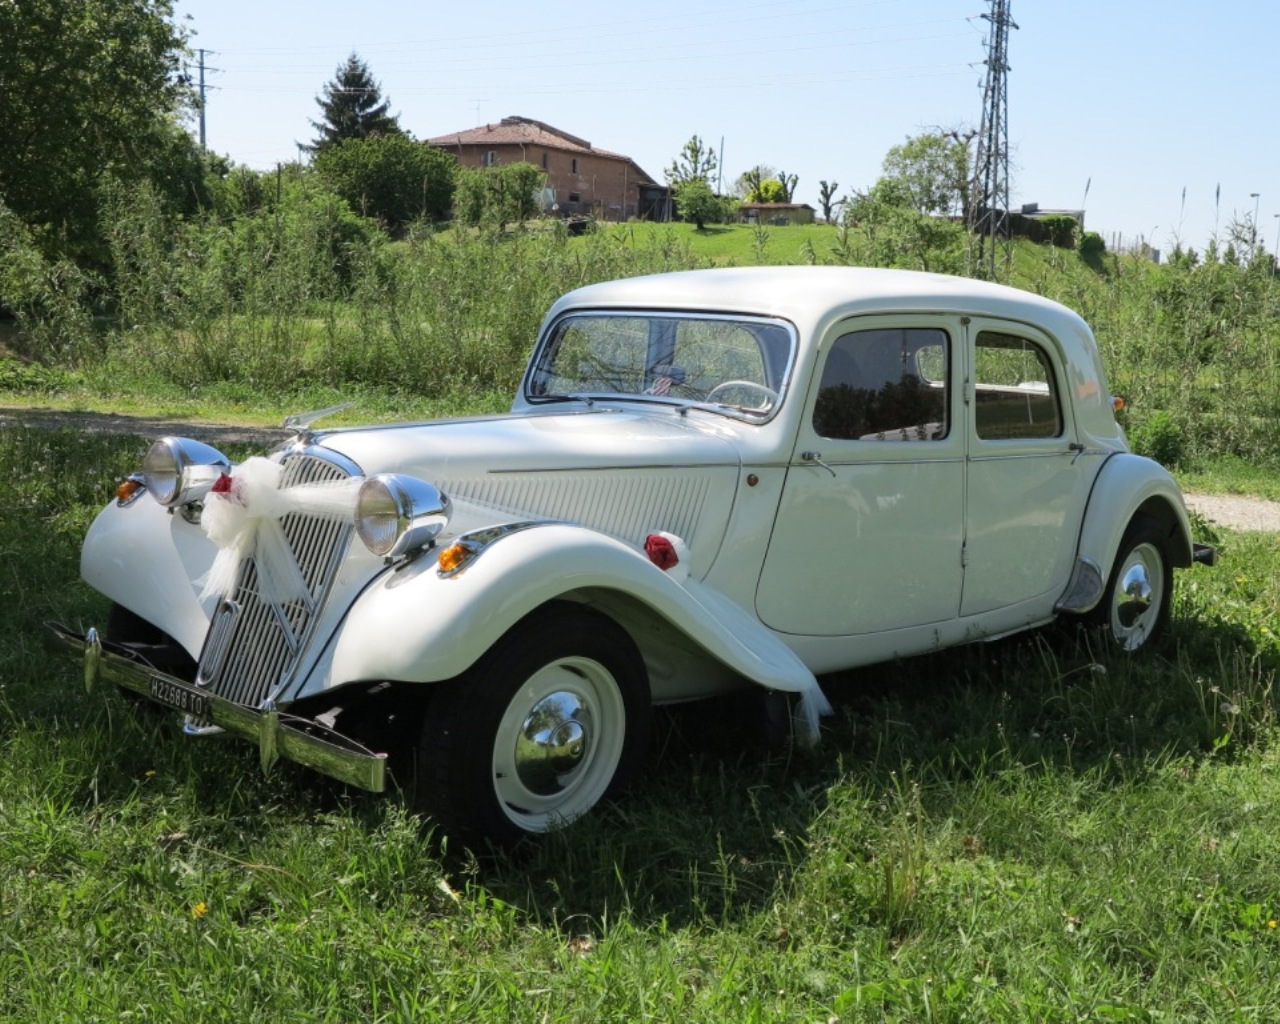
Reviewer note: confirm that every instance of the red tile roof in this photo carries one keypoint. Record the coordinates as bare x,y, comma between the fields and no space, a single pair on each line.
521,131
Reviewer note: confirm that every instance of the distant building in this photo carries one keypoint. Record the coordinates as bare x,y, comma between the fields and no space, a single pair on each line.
581,179
777,214
1032,211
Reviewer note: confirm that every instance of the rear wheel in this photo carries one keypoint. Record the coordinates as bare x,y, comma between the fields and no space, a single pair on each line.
1136,604
552,720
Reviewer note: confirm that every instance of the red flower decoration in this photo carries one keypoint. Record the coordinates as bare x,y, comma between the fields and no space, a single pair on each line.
222,485
661,552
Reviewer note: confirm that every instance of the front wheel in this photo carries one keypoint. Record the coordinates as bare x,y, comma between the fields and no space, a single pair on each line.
1136,604
552,720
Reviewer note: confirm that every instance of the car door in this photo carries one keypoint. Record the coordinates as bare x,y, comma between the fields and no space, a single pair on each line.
1027,485
869,530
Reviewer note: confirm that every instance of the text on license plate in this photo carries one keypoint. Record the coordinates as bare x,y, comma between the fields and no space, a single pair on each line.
179,697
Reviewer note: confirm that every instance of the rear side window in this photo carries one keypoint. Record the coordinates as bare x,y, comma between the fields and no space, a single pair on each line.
1015,393
885,385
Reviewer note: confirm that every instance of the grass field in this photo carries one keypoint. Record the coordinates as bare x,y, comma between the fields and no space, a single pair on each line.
1025,831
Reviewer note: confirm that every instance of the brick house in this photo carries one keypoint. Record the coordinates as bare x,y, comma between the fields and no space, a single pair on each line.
581,179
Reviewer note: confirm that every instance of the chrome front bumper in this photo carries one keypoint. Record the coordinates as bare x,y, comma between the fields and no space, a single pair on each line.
276,734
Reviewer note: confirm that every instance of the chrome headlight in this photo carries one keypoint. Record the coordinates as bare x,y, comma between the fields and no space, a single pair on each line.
397,514
178,470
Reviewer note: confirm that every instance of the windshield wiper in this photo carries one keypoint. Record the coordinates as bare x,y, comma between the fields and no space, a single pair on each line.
549,399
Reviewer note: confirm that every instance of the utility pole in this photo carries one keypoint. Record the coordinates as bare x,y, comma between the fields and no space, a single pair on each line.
989,196
203,90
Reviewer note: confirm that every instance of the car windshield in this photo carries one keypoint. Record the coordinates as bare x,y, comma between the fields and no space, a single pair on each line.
734,364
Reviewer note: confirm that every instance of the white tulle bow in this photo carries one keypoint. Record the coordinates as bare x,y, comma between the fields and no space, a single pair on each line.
242,517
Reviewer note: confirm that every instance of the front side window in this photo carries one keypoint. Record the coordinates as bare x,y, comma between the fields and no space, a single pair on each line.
737,365
885,385
1014,391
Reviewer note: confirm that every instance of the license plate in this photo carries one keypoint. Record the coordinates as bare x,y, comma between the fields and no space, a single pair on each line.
180,697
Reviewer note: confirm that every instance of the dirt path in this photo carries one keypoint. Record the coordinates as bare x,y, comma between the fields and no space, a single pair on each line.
1234,512
146,427
1237,512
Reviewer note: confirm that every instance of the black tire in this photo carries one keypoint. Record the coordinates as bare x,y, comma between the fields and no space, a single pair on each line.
1135,606
553,719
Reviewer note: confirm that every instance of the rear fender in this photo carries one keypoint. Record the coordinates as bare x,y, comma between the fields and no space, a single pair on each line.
1127,486
414,625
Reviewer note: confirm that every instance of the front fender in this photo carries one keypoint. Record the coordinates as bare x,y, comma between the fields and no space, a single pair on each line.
145,558
414,625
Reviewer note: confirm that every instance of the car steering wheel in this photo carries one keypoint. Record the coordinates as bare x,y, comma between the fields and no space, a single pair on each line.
773,396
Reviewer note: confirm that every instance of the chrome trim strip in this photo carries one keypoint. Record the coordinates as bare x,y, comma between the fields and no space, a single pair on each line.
628,467
1001,457
277,735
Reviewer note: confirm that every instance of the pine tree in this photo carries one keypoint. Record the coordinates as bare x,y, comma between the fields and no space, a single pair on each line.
353,107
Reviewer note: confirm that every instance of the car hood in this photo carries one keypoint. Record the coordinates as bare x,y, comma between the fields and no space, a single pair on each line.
623,473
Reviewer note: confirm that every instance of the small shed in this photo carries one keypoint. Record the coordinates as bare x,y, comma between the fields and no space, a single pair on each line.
775,214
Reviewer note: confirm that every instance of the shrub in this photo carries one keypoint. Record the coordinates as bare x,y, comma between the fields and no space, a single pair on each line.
1160,437
390,178
1091,245
1059,230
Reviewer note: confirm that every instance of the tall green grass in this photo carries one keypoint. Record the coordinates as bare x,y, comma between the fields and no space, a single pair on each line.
300,297
1028,830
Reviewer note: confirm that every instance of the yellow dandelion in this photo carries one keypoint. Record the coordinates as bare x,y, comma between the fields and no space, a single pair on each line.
199,910
1271,923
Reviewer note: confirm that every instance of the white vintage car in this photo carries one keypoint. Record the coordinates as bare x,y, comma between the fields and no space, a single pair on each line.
714,479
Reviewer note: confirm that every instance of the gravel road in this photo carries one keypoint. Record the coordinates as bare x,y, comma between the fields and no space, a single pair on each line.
1234,512
1237,512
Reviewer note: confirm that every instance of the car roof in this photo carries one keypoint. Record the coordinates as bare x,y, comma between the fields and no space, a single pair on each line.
804,294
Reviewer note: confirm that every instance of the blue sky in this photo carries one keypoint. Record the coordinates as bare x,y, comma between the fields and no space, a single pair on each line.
1133,100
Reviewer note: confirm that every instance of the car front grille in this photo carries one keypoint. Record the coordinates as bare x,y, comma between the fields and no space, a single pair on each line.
254,645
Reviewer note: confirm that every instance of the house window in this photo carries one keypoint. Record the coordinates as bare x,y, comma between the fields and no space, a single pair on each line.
490,157
573,166
544,161
575,197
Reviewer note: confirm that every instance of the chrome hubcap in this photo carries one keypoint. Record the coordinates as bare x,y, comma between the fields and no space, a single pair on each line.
1138,597
552,743
558,743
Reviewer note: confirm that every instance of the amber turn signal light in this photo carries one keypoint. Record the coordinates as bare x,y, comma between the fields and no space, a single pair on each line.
452,557
127,489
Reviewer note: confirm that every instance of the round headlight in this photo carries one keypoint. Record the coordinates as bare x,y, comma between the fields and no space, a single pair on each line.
178,470
396,514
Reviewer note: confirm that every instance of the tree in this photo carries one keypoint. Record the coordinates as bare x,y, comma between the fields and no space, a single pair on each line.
353,107
695,161
749,181
91,93
499,195
390,177
697,202
826,197
933,171
771,190
763,184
